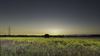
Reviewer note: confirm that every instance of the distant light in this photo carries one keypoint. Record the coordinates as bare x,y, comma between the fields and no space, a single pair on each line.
54,31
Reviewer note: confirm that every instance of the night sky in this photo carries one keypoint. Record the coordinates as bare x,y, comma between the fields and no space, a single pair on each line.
50,16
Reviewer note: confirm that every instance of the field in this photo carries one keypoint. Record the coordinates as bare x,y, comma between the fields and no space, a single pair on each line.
49,46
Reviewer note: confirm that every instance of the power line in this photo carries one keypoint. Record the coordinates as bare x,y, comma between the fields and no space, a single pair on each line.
9,30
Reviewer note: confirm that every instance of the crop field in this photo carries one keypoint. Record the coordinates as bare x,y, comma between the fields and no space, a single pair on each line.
49,46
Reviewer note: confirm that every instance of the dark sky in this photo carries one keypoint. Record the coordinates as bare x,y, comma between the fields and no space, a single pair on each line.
50,16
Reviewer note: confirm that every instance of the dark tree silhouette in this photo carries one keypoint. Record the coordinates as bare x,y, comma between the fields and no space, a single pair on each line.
46,35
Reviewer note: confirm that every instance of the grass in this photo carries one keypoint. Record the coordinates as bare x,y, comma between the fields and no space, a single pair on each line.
49,47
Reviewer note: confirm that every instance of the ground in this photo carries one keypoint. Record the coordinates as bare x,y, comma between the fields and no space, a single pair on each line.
49,46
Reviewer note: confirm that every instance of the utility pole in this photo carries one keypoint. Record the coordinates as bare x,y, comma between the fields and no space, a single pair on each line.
9,30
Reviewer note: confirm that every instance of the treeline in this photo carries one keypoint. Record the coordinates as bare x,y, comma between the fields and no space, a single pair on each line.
47,35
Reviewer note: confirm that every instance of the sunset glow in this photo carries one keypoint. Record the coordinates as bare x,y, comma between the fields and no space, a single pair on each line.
54,31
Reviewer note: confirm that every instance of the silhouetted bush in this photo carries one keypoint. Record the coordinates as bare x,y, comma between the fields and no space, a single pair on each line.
46,35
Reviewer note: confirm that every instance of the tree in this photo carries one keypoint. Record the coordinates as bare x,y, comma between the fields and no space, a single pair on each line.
46,35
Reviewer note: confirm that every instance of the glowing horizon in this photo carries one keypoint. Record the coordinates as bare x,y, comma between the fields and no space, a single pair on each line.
48,30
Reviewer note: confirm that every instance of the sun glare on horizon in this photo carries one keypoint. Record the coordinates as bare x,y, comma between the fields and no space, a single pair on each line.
54,31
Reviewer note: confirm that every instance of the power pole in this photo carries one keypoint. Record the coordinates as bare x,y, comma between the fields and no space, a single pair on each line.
9,30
